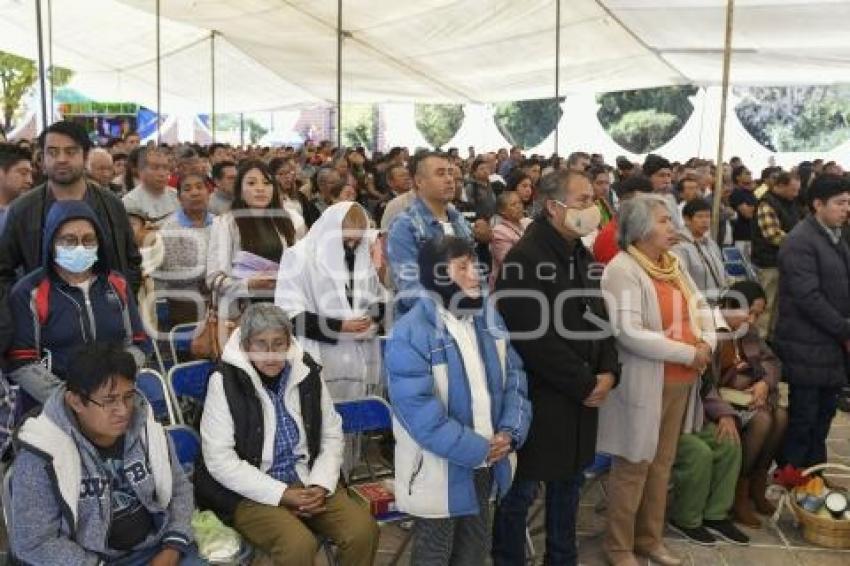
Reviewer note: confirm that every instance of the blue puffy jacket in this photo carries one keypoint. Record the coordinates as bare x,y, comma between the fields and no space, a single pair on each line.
52,318
437,449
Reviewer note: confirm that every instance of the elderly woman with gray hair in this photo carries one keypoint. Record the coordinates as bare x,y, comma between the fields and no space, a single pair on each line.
665,335
272,448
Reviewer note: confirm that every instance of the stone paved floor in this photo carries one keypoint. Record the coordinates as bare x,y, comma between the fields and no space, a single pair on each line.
767,548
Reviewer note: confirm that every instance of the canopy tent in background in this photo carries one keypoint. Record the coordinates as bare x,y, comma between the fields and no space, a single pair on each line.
274,54
399,121
478,129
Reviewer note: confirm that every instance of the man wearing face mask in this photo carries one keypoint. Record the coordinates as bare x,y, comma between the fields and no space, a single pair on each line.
548,293
75,298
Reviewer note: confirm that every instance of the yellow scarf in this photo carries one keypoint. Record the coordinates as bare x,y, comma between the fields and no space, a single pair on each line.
669,271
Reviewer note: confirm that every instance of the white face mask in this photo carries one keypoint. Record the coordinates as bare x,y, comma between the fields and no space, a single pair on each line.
582,221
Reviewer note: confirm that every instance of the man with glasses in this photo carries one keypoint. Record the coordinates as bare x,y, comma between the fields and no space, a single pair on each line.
97,480
65,146
72,300
548,294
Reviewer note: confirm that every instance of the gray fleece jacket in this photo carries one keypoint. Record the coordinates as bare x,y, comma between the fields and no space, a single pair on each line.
61,497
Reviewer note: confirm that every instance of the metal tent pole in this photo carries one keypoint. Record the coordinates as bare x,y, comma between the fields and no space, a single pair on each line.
718,177
41,70
339,73
50,70
158,79
557,71
212,80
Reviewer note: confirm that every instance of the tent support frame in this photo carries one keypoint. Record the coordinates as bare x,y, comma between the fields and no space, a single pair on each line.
42,73
719,173
158,78
557,72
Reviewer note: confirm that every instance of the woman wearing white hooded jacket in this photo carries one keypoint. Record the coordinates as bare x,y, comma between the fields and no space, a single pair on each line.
330,289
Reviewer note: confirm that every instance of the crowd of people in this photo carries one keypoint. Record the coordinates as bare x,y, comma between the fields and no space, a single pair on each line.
521,315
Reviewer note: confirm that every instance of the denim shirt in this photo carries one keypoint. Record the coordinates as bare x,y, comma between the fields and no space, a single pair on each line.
286,433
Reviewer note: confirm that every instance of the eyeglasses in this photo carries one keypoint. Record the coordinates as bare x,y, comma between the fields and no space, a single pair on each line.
111,403
88,241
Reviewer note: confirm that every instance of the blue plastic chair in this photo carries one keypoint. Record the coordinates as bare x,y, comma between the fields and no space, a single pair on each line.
736,265
163,315
189,381
152,386
180,339
187,445
7,496
369,414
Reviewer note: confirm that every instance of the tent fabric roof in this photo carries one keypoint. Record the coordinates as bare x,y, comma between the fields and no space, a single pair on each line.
282,53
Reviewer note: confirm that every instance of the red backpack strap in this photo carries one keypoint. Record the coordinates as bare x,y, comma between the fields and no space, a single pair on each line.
120,285
41,300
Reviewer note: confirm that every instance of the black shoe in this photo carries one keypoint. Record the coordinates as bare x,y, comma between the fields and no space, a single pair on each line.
727,531
698,535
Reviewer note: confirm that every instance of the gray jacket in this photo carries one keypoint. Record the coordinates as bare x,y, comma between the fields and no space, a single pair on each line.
704,263
61,493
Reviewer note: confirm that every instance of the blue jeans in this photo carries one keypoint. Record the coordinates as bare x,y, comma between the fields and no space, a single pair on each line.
143,558
562,498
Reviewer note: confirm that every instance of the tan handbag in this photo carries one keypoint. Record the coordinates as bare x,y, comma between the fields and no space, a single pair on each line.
209,342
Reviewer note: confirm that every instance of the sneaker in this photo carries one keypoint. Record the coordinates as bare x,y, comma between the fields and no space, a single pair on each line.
727,531
698,535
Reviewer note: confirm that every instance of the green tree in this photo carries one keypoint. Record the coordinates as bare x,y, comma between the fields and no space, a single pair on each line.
643,120
358,125
527,122
808,118
641,131
254,131
17,76
438,123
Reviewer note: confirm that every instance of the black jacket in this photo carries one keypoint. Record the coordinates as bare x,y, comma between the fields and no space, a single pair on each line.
21,245
561,370
247,413
814,306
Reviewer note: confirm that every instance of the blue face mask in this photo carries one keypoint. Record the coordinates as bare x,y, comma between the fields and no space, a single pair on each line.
78,259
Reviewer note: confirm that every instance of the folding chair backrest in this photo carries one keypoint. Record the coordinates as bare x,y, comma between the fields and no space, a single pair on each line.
7,497
163,316
601,465
153,387
736,265
190,379
180,338
369,414
187,445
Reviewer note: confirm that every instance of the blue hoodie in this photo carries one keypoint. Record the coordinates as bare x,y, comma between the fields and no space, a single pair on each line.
51,318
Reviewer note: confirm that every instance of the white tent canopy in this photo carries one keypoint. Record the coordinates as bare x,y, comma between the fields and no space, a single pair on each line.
274,53
277,54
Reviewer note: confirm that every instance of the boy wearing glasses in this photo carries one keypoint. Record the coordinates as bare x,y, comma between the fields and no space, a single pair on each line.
96,480
73,299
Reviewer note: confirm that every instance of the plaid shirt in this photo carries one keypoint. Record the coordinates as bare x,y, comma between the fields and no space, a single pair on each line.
769,225
285,436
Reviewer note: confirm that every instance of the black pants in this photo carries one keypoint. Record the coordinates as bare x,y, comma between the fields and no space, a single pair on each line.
810,414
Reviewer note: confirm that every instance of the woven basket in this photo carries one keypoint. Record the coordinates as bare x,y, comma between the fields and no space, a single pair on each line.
823,531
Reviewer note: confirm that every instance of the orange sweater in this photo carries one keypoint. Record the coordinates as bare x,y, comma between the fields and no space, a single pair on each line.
676,322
